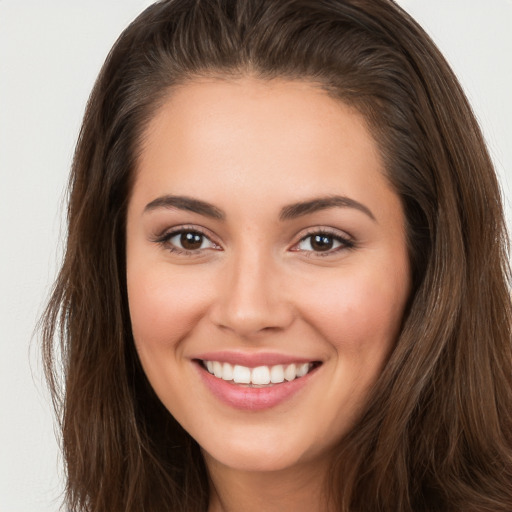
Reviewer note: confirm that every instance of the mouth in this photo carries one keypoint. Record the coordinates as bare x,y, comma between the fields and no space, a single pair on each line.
259,376
256,381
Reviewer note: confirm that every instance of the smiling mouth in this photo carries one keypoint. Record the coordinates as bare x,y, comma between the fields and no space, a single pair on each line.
260,376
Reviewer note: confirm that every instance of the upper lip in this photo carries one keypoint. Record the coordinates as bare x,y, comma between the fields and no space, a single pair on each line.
253,359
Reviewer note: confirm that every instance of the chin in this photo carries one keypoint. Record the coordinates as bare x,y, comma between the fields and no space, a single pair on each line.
253,461
264,455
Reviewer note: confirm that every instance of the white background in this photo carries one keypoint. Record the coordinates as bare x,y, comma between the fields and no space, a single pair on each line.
50,54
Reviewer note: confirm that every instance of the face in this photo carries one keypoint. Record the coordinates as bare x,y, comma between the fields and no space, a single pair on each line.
267,268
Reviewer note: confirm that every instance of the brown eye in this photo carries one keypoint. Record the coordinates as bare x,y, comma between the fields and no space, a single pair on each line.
191,241
321,242
188,241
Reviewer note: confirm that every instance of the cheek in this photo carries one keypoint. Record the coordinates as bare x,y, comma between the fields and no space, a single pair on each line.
164,305
359,313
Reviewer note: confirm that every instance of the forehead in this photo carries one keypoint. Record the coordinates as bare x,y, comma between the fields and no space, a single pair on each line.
252,138
218,111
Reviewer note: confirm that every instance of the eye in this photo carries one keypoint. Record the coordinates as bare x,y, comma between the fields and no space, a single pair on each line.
186,241
322,242
190,241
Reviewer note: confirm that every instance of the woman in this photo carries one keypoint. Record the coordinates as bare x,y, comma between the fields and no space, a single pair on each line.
343,344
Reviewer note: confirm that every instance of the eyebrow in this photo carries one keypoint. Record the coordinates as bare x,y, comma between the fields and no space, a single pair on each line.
323,203
289,212
188,204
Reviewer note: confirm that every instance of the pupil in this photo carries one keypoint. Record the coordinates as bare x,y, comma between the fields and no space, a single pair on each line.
322,242
191,241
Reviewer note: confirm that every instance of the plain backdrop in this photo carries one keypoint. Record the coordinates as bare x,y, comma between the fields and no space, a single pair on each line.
50,54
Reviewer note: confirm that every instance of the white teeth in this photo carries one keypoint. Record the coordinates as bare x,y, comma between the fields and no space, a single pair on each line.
302,369
290,372
241,374
259,376
277,374
227,371
217,369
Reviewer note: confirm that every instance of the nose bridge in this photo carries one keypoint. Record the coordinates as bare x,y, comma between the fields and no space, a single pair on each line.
253,297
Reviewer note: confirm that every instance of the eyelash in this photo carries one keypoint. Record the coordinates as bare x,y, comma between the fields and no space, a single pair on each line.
164,241
345,242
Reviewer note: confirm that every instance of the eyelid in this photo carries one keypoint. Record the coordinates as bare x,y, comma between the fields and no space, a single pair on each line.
164,236
347,241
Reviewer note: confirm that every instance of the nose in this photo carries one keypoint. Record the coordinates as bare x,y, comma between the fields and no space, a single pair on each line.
253,297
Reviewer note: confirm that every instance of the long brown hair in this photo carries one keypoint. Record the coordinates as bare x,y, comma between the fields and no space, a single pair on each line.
436,434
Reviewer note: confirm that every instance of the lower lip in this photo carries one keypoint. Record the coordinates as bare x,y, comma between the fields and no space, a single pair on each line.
249,398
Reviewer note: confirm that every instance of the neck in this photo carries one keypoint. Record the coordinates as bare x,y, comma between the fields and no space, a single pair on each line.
299,489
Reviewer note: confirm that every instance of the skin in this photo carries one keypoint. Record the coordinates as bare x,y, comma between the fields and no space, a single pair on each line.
250,148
